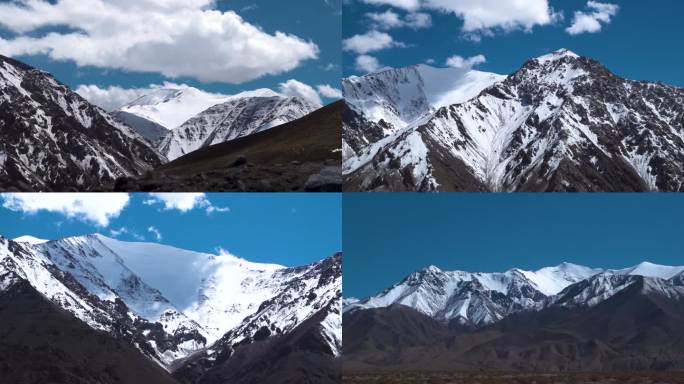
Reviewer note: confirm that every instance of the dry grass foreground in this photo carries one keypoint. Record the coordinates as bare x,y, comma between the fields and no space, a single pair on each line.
512,378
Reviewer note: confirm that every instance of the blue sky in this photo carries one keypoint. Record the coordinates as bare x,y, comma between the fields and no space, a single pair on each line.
311,21
640,42
285,228
389,235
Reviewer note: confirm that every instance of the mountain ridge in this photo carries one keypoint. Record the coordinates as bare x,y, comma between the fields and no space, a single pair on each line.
562,122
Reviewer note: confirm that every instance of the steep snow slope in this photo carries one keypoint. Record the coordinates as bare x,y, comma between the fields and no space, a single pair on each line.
53,139
562,122
172,106
237,117
396,98
216,291
484,298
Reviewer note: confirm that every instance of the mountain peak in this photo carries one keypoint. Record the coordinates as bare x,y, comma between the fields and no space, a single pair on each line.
557,55
431,268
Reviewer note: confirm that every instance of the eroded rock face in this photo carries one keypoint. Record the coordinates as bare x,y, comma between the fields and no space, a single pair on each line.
53,139
560,123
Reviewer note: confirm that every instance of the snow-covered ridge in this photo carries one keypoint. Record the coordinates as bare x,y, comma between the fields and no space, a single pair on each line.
171,106
561,122
30,240
237,117
196,297
396,98
483,298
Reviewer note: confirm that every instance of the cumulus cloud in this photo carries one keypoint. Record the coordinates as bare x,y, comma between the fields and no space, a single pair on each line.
390,19
184,202
457,61
171,37
367,64
485,16
409,5
297,88
590,22
155,232
330,92
369,42
95,208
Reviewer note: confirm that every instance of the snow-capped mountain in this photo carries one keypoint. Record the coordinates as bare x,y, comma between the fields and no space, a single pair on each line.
171,106
478,299
238,117
53,139
312,290
173,303
393,99
561,122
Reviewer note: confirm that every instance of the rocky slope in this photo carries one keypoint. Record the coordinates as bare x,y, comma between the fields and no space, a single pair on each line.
52,139
235,118
301,155
560,123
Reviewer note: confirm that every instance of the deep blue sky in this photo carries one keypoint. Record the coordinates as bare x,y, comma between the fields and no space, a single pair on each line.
389,235
643,41
284,228
315,20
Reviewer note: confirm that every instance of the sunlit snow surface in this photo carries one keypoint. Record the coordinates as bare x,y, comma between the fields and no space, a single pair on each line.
171,107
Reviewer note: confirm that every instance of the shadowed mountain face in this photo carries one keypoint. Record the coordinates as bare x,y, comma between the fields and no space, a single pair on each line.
301,357
560,123
302,155
636,329
54,140
42,343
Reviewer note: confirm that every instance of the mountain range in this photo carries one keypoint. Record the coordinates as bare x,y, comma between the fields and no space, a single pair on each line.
562,122
53,139
182,316
563,318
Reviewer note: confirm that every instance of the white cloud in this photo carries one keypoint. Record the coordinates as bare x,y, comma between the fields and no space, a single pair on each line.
457,61
369,42
96,208
154,231
296,88
329,92
590,22
113,97
390,19
171,37
485,16
409,5
125,231
184,202
366,63
418,20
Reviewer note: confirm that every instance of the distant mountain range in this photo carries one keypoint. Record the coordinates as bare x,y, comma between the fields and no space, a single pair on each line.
53,139
564,318
562,122
182,316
